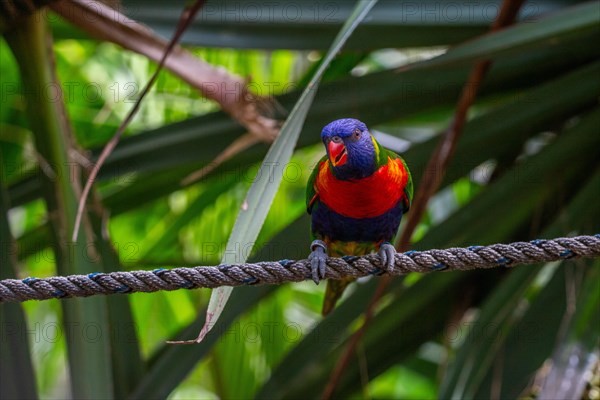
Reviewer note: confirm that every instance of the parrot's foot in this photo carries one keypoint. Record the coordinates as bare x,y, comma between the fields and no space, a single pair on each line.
386,253
318,260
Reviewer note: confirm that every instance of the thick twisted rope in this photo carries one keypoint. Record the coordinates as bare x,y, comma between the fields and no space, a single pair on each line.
277,272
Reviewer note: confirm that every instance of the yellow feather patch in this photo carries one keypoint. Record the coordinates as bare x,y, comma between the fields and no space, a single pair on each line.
395,172
376,147
339,249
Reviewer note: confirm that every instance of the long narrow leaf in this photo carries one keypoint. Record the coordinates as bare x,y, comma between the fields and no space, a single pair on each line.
17,379
265,185
556,27
306,25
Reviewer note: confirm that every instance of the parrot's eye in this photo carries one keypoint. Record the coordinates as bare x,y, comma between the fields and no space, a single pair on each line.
355,135
336,139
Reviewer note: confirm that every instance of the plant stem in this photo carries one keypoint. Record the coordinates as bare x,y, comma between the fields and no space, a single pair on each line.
83,319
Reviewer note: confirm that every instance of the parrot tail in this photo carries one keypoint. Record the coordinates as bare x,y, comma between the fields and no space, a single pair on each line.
333,292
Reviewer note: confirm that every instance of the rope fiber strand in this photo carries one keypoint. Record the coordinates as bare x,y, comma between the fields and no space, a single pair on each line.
277,272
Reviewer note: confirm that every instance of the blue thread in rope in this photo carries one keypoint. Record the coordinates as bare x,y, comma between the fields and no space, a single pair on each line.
251,280
349,259
285,263
123,289
503,261
567,254
30,280
439,267
410,252
186,285
58,293
474,248
94,275
538,242
157,271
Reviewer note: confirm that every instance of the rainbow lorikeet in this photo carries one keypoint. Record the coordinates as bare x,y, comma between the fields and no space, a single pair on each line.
356,196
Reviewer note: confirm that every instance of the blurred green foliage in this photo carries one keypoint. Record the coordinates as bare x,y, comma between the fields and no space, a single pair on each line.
526,167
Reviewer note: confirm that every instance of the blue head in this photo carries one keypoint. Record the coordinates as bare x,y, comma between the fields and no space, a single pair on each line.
350,148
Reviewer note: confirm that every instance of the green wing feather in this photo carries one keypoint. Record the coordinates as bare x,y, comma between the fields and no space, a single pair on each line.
408,189
383,160
310,186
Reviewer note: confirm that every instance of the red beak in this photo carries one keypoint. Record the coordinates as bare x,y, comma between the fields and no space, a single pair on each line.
337,153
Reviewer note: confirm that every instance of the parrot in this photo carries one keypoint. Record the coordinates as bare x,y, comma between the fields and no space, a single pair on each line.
356,196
